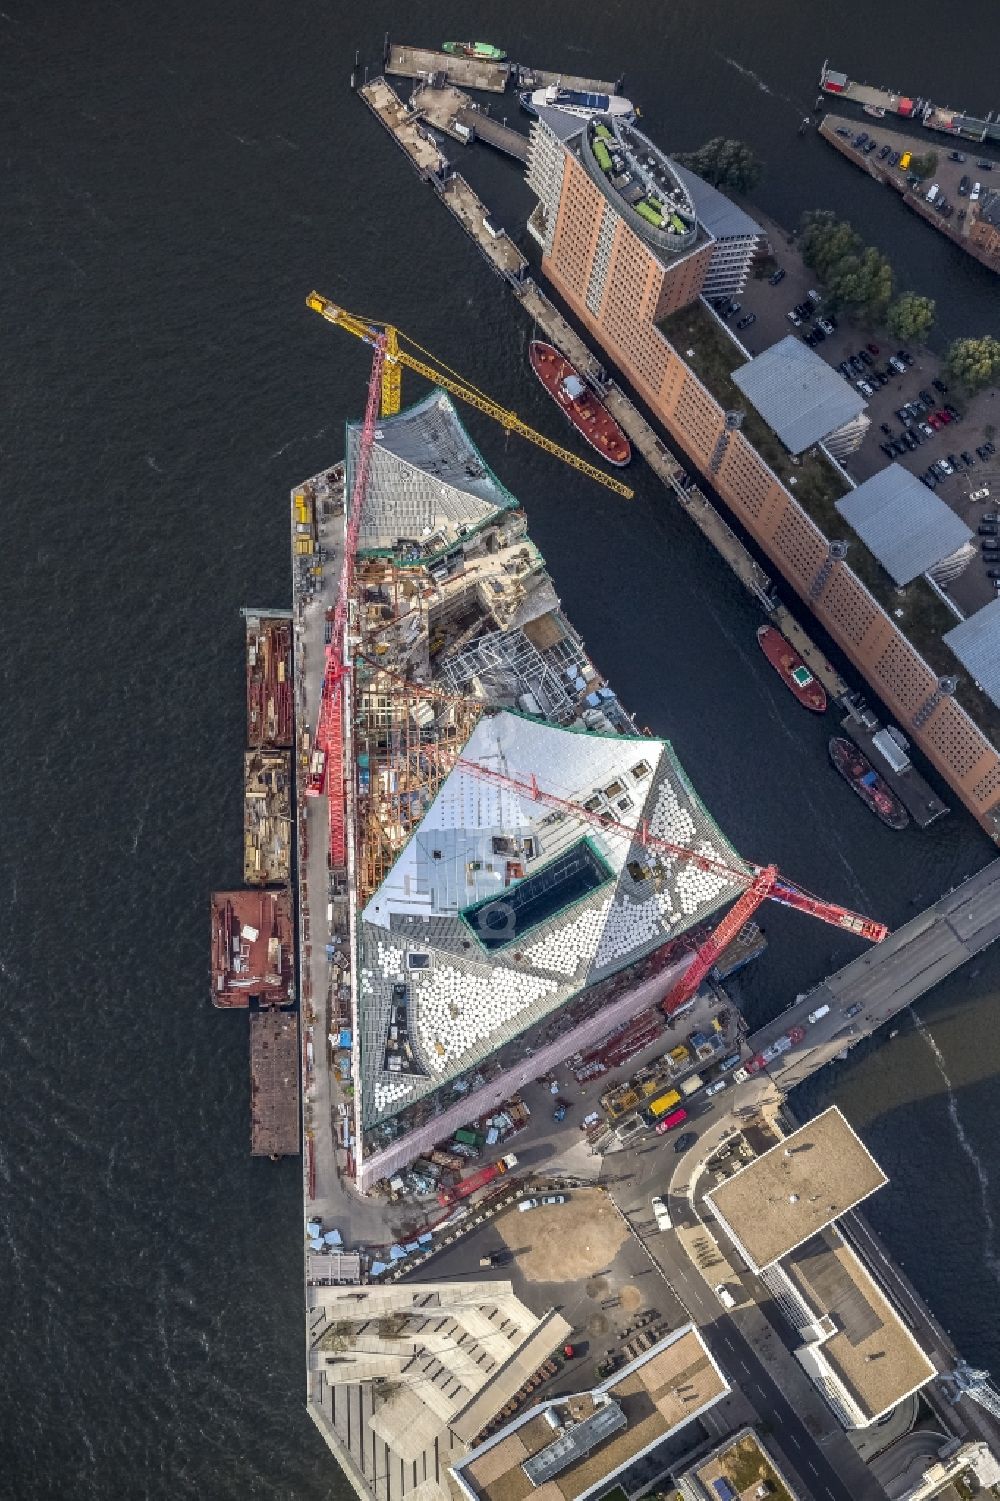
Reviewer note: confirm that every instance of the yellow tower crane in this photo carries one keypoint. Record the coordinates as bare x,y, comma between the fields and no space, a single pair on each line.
396,357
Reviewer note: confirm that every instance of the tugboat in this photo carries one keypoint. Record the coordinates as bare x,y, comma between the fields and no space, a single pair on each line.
860,775
572,395
791,669
484,51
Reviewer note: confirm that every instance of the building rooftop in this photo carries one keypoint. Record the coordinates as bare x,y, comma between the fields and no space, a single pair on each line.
429,485
871,1351
720,215
906,526
789,1193
569,1448
798,394
976,644
989,209
407,1374
641,183
742,1463
501,907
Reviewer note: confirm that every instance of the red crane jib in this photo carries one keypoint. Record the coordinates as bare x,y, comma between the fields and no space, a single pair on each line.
766,884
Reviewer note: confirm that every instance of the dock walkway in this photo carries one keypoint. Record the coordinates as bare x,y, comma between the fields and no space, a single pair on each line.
540,78
494,133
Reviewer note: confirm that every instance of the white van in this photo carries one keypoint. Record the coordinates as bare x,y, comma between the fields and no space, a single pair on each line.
976,190
724,1296
818,1014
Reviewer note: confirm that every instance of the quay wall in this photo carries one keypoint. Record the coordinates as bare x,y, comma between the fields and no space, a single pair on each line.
881,173
634,296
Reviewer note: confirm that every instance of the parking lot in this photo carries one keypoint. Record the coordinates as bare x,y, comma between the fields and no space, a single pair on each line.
979,417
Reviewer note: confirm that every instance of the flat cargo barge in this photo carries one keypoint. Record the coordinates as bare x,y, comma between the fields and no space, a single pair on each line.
252,953
950,122
274,1084
267,817
270,707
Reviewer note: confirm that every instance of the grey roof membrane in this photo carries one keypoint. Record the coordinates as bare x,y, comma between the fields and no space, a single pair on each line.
465,1000
976,644
720,216
427,477
798,394
903,523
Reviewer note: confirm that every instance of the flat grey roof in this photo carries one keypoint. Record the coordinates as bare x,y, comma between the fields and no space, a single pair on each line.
785,1196
904,523
720,216
976,644
798,394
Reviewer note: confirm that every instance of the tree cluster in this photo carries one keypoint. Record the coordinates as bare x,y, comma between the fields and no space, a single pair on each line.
854,275
911,317
724,163
974,364
925,165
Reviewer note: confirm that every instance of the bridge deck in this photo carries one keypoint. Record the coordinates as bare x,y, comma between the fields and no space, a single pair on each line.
888,978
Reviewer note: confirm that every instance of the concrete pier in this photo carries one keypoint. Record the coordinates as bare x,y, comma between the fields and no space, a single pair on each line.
540,78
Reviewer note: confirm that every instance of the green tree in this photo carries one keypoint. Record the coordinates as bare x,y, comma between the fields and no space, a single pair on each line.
826,240
974,363
861,282
724,163
911,317
925,165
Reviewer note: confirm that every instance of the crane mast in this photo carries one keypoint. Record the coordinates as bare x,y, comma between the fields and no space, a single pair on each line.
329,741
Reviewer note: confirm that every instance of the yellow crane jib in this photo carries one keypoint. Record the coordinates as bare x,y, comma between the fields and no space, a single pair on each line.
392,372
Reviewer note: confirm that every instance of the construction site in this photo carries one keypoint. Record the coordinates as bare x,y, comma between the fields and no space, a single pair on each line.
497,869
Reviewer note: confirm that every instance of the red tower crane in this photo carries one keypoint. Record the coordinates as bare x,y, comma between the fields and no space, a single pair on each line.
762,882
327,766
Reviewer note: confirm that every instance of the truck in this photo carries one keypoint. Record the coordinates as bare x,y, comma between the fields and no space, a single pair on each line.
466,1186
470,1138
691,1085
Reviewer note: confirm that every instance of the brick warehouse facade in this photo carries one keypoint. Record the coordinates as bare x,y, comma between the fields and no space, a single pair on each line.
618,287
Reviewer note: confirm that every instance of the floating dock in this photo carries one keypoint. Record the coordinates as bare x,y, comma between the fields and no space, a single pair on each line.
267,817
252,953
412,135
274,1084
468,72
270,706
932,116
451,111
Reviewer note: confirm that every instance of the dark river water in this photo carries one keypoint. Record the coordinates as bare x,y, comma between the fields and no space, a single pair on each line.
176,177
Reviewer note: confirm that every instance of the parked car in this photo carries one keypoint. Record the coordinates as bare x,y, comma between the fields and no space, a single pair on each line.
794,318
553,1199
885,428
939,385
685,1141
716,1088
988,529
967,458
894,159
993,573
853,1010
660,1213
826,325
724,1296
777,276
